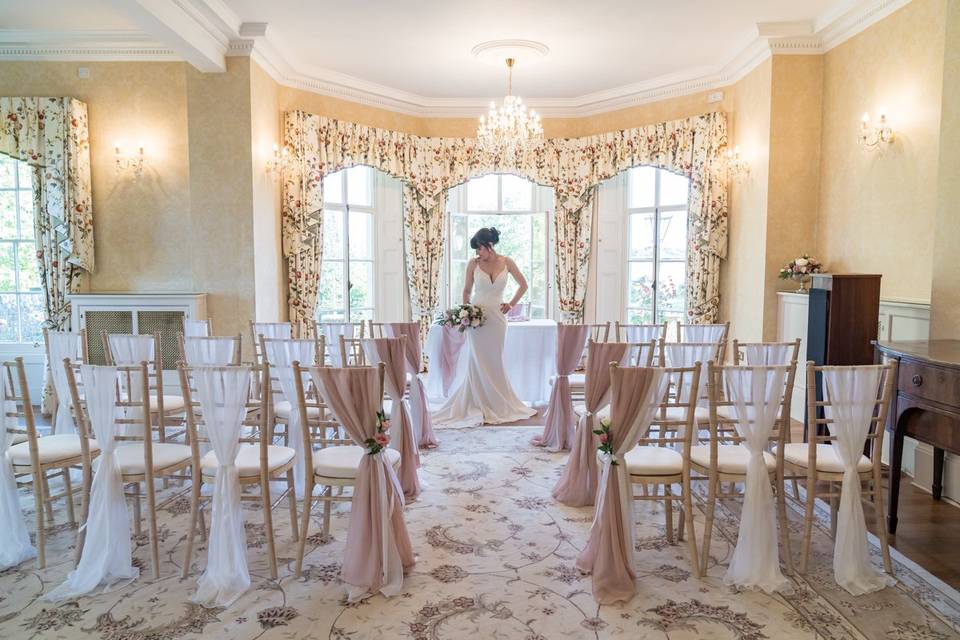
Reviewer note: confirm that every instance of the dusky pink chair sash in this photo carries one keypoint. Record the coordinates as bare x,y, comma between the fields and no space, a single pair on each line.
378,545
577,486
558,431
451,342
390,351
610,546
419,409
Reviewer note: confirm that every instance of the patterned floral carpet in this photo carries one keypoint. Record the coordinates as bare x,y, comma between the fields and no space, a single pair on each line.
495,560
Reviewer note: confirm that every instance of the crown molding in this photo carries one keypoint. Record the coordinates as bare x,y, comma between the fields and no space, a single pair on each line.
222,30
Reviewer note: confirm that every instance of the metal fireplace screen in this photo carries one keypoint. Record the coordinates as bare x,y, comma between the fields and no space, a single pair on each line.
169,324
96,321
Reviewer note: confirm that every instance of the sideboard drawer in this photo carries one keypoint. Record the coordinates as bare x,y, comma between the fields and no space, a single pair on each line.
929,382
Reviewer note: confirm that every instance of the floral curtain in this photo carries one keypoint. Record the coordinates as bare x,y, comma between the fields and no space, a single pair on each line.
51,135
430,166
423,228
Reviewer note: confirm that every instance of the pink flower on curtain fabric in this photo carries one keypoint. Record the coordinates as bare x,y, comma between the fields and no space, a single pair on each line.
609,552
577,486
378,545
559,429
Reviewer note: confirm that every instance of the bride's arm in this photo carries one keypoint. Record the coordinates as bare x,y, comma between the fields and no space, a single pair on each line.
521,282
468,281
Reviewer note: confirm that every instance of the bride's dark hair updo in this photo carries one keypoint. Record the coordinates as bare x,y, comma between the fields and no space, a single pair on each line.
486,237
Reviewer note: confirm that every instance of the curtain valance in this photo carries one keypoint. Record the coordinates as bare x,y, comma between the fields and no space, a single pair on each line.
693,147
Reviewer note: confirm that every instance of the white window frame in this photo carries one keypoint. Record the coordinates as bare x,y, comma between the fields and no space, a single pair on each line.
658,210
29,237
541,203
345,209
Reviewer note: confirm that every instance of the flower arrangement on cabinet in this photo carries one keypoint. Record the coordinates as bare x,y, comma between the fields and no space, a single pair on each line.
800,269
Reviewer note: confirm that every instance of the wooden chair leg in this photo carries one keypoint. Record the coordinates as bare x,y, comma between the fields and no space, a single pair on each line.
834,507
714,483
328,491
304,526
268,525
783,524
68,488
687,512
878,515
47,502
136,509
668,510
84,513
152,516
292,500
808,521
41,523
192,531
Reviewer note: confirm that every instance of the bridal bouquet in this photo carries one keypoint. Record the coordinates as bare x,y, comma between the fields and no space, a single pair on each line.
462,317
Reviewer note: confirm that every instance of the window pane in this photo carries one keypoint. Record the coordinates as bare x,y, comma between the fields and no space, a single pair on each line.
672,289
673,189
360,186
482,194
517,193
458,273
640,294
332,234
361,236
29,271
639,316
32,314
641,236
459,242
332,315
8,214
8,318
8,278
8,172
537,276
333,187
330,295
25,201
360,315
640,187
673,235
25,172
361,285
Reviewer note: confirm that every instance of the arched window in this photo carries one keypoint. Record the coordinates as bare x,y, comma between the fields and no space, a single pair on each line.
656,245
21,297
520,210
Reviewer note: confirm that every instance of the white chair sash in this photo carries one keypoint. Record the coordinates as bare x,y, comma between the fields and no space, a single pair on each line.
131,350
852,392
683,355
15,544
640,333
758,355
281,354
703,332
212,352
332,332
62,345
106,561
195,328
273,329
756,393
222,395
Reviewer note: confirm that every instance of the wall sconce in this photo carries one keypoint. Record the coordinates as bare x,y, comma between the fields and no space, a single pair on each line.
132,162
872,137
279,161
738,167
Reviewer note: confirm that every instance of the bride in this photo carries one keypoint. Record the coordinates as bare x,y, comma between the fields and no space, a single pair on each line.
483,394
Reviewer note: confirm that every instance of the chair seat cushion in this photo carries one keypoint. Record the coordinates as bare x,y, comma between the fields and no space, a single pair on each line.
653,461
165,454
170,403
342,462
580,408
50,449
282,408
577,380
17,438
828,460
248,460
731,458
700,414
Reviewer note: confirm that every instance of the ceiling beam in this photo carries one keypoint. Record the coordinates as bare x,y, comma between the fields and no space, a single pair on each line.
185,31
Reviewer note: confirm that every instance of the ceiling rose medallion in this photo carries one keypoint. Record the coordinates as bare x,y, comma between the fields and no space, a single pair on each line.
511,126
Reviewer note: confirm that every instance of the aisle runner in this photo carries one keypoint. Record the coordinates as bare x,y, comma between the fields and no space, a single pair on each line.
495,559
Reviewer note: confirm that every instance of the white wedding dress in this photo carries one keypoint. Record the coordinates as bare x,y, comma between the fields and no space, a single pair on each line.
482,393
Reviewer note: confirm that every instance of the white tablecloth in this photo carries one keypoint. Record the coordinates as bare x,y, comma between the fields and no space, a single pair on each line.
530,354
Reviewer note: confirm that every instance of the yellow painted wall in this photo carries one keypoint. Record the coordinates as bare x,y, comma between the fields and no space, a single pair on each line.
877,209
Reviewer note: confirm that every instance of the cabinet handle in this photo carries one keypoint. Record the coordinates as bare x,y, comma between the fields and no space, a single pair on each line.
917,380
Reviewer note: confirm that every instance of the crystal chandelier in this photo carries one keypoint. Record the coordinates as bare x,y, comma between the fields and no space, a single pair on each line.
511,125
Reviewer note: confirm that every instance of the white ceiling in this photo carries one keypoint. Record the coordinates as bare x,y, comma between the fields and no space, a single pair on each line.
414,55
423,47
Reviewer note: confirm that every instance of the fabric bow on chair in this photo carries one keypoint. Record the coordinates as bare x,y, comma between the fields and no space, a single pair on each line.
577,486
558,431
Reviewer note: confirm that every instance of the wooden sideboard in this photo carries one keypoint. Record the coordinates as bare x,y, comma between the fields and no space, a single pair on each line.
926,406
